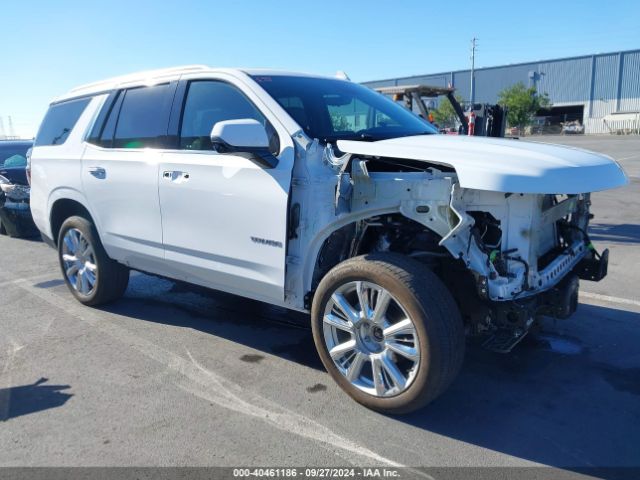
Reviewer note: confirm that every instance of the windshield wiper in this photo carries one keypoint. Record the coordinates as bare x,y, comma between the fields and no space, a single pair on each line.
366,137
362,137
426,132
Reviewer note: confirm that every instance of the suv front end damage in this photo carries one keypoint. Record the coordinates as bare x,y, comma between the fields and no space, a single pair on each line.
526,253
523,244
507,256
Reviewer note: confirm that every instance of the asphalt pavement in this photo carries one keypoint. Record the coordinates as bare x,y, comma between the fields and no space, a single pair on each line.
174,375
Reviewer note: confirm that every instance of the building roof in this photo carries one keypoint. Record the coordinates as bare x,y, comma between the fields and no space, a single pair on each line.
477,69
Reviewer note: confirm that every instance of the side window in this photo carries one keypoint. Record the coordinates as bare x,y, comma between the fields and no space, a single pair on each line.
211,101
143,118
59,121
105,138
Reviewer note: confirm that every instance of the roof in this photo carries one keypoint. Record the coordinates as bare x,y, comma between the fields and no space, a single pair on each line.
150,77
271,72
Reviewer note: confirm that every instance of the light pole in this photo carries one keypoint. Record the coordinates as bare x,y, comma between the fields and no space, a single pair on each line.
472,96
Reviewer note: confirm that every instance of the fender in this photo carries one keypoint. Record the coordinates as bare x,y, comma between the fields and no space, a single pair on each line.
67,193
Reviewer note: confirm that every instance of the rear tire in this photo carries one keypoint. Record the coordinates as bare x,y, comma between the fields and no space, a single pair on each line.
401,359
3,230
91,276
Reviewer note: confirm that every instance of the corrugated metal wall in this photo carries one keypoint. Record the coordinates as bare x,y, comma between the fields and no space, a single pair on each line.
491,81
566,81
630,88
603,83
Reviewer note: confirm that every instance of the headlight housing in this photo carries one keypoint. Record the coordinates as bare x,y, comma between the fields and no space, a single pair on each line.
14,192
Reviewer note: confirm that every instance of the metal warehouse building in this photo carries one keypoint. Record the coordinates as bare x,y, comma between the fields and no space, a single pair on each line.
601,90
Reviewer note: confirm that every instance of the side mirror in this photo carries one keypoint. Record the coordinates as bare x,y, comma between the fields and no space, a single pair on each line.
245,137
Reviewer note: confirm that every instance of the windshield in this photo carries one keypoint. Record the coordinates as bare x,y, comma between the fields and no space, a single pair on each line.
13,155
332,109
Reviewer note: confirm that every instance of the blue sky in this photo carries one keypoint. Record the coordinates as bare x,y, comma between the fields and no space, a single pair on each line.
52,46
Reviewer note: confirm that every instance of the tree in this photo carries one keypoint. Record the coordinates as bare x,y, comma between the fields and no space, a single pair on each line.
522,103
445,115
339,123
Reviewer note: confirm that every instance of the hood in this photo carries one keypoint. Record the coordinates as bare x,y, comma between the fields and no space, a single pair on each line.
503,165
15,175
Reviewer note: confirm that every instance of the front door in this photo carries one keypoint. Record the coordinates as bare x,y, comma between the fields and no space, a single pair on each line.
224,217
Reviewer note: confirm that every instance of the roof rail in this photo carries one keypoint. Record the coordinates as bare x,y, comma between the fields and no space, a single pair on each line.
136,77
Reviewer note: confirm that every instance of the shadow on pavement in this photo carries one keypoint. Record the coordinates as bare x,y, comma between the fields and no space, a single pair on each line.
26,399
255,324
555,400
623,233
563,400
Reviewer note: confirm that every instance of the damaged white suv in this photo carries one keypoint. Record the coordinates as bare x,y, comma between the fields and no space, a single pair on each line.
319,195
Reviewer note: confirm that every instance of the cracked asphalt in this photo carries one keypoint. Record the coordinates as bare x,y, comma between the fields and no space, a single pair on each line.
174,375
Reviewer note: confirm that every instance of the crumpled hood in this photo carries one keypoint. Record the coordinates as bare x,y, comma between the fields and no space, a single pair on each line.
503,165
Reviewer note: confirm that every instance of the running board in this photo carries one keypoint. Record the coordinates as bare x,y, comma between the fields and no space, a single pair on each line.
503,341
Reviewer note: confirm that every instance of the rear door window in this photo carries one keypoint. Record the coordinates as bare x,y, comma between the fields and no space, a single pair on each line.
143,118
59,121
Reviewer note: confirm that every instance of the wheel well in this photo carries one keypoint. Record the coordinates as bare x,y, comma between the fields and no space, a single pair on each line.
384,233
399,234
63,209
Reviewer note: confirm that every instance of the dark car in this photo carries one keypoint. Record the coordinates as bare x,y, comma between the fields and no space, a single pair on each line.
15,215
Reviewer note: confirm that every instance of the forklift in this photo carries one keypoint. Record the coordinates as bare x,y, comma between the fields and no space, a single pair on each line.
487,120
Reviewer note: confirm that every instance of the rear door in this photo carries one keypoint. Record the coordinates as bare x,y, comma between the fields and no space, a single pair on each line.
120,174
224,216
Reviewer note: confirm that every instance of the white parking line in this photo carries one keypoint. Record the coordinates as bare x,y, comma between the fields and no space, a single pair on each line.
206,384
610,299
35,278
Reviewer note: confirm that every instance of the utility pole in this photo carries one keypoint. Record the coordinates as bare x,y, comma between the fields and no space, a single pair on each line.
472,96
12,133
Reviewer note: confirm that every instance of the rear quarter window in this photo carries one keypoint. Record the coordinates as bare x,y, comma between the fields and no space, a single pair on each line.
59,122
12,156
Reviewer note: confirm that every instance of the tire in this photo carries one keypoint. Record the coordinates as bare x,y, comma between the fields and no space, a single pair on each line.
432,343
3,230
81,254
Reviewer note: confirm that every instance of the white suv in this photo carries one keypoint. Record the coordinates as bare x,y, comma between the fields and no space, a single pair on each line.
323,196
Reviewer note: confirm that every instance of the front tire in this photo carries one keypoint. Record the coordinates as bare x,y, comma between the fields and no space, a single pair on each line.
91,276
388,331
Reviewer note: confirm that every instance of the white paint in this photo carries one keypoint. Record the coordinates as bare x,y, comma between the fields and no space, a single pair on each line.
244,132
610,299
35,278
221,391
212,387
123,203
503,165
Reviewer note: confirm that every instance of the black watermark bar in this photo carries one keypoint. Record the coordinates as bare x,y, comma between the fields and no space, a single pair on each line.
330,473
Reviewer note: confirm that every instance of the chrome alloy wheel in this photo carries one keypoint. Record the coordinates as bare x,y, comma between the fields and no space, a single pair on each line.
371,339
79,262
